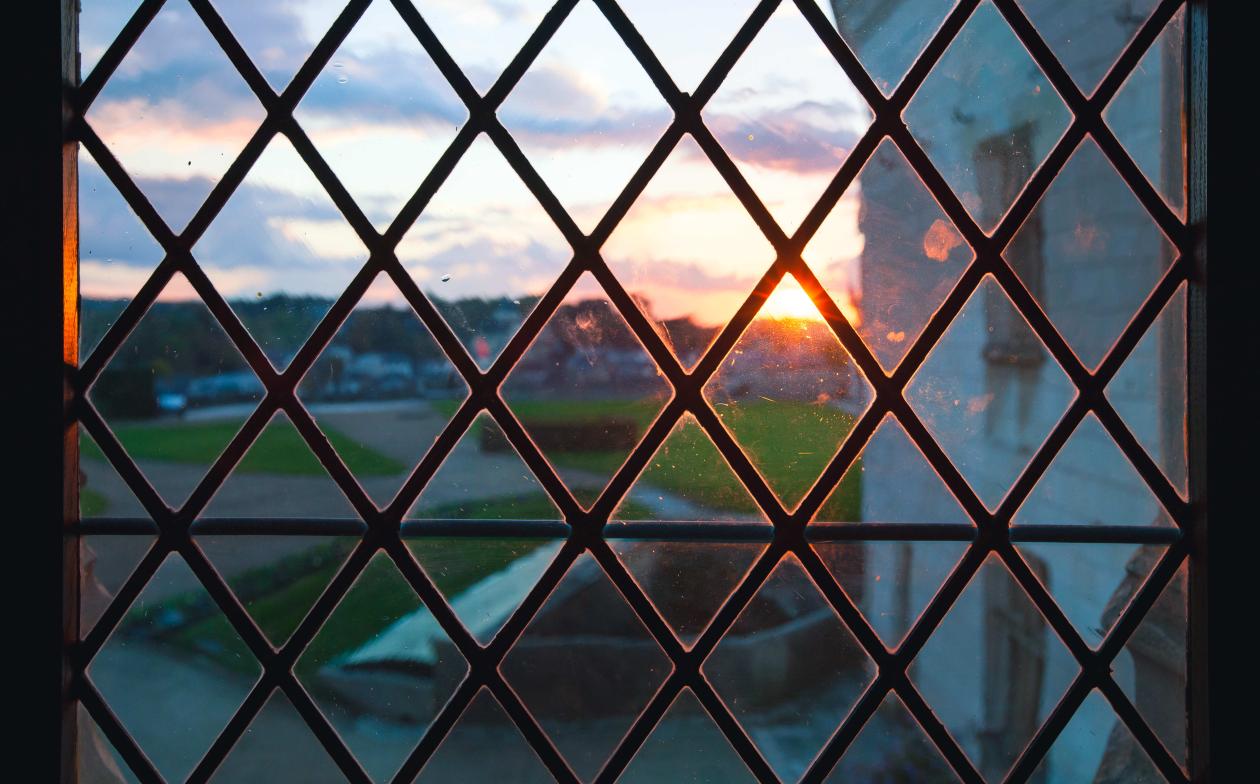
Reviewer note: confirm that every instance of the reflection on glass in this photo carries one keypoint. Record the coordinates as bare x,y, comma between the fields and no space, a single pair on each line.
585,667
890,253
688,37
586,390
686,746
281,477
462,27
280,252
105,563
688,479
277,578
1149,391
278,36
1089,253
788,114
585,114
687,581
174,649
484,580
891,482
382,390
116,254
483,251
278,739
175,393
1091,482
97,761
993,670
1152,667
1087,36
176,113
887,36
1092,583
688,252
789,669
379,669
892,748
1148,114
987,116
462,757
890,582
102,492
789,392
1096,746
381,113
990,392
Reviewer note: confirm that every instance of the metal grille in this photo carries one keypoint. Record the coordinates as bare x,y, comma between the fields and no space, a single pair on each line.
590,530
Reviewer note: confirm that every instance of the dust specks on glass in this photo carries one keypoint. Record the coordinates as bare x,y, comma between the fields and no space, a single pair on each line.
487,482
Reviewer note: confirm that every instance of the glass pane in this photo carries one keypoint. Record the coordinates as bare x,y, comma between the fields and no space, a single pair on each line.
788,114
993,670
688,479
688,37
105,563
1148,114
585,667
116,254
1097,746
102,492
100,21
688,582
459,490
1149,391
278,36
462,27
381,113
380,669
891,482
483,251
1089,253
382,390
463,756
990,392
818,672
686,746
688,252
1086,36
987,116
277,578
176,392
892,748
789,392
586,390
173,649
97,761
176,113
585,114
1091,482
484,580
280,252
888,255
1152,668
887,37
278,739
890,582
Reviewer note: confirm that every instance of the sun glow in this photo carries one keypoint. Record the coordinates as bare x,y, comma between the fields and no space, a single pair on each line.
789,301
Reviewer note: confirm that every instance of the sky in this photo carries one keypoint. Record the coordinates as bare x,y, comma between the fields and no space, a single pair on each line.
586,114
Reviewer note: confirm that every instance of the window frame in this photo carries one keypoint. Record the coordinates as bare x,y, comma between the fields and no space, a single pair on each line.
44,225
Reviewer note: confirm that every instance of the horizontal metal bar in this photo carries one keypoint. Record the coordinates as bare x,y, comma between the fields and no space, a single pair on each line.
658,530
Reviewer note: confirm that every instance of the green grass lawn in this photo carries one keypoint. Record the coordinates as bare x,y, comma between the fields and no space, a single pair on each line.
279,449
92,503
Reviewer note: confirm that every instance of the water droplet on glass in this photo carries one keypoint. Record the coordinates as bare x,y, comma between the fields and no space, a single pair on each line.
446,278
